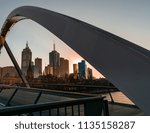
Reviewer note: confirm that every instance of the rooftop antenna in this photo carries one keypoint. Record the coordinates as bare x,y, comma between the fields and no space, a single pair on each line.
54,45
27,44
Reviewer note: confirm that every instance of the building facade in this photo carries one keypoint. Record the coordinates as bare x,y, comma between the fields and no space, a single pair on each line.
63,69
9,75
82,69
48,70
89,73
54,60
75,70
26,59
38,67
30,74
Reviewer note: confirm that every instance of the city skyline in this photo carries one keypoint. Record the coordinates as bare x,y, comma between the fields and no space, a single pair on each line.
58,66
104,14
125,64
26,57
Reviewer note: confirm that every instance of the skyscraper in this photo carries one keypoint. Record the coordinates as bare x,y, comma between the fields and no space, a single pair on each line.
48,70
30,72
75,70
89,73
54,60
26,58
66,66
82,69
63,69
38,67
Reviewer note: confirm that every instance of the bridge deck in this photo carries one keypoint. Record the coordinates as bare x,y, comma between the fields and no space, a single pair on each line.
25,97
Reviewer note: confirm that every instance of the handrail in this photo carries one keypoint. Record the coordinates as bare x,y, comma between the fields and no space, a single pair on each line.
25,109
46,91
59,92
64,85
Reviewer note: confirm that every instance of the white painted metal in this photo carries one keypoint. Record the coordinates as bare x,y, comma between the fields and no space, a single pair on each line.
125,64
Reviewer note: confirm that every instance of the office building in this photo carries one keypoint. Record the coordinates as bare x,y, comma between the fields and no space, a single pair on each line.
89,73
75,70
30,74
54,60
63,69
26,59
38,67
9,75
48,70
82,69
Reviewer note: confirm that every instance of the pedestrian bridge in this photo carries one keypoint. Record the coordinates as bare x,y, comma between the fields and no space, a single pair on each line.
16,100
34,101
123,63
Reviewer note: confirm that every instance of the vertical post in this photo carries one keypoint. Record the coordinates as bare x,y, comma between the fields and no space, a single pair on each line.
105,108
78,109
8,102
16,64
93,108
38,97
112,100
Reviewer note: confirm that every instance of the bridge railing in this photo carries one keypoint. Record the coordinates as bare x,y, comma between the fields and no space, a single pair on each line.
91,106
40,91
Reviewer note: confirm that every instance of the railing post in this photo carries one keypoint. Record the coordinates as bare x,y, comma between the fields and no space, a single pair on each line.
105,108
38,97
112,100
93,108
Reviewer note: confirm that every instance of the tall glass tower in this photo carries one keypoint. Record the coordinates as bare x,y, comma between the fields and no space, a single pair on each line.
54,59
82,69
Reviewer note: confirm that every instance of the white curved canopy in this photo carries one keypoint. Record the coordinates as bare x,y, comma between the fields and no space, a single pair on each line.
123,63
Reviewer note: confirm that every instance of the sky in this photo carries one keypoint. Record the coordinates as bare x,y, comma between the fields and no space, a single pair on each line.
129,19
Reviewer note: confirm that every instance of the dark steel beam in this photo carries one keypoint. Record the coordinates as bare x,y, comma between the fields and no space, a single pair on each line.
8,102
16,65
38,97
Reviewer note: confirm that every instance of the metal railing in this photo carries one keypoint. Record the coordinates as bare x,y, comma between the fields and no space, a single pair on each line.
52,91
93,106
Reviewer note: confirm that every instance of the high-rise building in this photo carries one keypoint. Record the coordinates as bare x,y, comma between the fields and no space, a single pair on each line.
48,70
89,73
63,69
38,67
26,58
54,60
82,69
30,75
66,66
75,70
